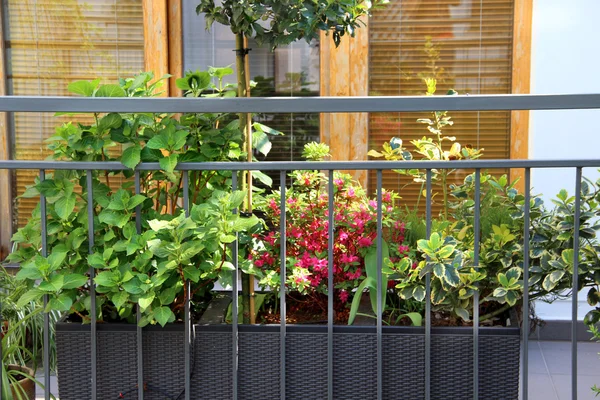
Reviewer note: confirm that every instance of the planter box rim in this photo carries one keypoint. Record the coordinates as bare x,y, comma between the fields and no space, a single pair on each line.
397,330
116,327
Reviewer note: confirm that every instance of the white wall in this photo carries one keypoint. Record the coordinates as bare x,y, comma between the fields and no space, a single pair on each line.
565,59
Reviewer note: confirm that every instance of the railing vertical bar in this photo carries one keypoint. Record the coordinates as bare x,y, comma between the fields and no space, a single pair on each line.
380,290
138,314
525,355
282,235
330,285
575,283
90,210
428,295
476,231
234,303
187,333
44,223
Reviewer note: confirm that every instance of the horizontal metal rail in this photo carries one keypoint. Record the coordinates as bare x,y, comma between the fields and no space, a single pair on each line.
486,102
300,165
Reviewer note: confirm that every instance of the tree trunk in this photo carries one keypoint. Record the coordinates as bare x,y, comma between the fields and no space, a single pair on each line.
245,126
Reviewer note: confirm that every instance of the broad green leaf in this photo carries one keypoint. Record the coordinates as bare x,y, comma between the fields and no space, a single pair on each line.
462,313
135,201
96,260
451,276
113,218
109,121
180,139
146,300
502,279
60,303
568,256
54,284
119,298
158,142
439,270
552,280
445,251
419,293
65,206
110,90
169,163
261,142
74,281
106,278
29,296
30,273
83,88
593,297
263,178
191,273
163,315
131,156
263,128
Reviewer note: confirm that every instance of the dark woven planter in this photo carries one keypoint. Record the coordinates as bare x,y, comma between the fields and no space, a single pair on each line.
163,354
355,362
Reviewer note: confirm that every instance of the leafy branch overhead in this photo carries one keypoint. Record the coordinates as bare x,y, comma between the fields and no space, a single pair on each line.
281,22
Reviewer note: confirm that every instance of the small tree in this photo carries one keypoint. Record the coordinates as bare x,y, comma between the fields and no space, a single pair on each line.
278,22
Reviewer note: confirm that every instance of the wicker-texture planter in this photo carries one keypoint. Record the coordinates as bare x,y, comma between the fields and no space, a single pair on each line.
355,363
163,366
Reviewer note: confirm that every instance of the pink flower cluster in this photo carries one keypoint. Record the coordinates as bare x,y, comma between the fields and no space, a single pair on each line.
355,218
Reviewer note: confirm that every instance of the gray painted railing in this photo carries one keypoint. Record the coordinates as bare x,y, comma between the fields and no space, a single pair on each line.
280,105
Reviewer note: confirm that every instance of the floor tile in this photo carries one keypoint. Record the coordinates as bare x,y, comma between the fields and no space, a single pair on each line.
584,384
540,388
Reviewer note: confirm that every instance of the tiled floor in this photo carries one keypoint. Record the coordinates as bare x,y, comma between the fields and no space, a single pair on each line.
549,371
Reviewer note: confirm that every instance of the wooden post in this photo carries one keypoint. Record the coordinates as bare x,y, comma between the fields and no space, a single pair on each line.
175,52
6,216
345,72
156,41
521,78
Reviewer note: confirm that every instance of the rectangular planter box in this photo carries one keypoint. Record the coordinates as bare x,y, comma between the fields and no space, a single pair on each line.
163,366
355,362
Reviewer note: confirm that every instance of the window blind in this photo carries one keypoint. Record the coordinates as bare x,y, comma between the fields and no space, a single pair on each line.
50,43
467,46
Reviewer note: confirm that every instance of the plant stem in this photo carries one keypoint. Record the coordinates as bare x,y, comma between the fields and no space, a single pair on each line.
244,118
495,313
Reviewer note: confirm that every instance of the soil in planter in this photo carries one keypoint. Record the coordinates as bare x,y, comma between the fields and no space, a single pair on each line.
313,310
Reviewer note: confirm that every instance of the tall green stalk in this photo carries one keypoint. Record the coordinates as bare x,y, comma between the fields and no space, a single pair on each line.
245,120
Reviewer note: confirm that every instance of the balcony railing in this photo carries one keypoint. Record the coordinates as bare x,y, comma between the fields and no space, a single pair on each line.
317,105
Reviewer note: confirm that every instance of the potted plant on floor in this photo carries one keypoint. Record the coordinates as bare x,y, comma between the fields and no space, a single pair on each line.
21,339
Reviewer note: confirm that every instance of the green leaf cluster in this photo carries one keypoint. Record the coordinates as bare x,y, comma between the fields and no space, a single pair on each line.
145,248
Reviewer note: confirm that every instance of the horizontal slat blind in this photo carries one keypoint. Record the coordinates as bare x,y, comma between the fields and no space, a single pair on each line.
467,46
51,43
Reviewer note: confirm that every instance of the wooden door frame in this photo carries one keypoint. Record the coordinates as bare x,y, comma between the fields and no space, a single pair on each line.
345,72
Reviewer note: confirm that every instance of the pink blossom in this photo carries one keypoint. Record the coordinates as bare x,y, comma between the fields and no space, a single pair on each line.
343,296
373,203
350,192
365,242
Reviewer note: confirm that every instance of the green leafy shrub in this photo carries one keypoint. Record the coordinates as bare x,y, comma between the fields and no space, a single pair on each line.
146,266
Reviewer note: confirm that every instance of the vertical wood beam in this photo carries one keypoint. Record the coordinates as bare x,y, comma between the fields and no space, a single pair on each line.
345,72
521,80
156,41
6,216
175,28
